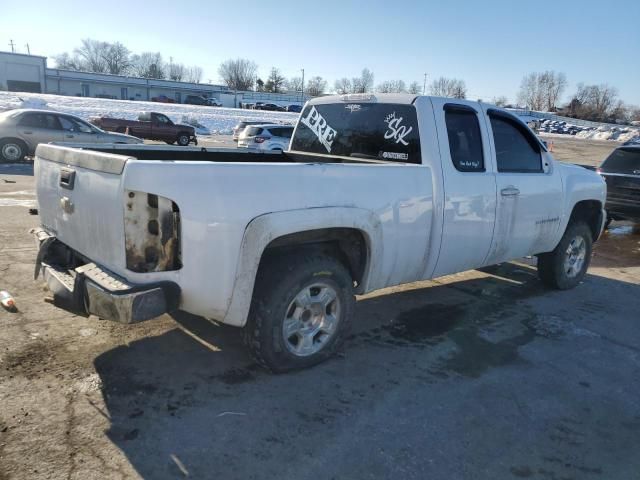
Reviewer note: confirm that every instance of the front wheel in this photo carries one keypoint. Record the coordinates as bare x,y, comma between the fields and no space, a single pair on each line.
183,140
301,309
566,266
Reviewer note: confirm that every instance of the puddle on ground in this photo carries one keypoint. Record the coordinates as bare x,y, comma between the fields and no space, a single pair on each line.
426,322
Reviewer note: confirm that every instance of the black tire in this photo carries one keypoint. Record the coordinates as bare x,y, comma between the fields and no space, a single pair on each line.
280,281
552,266
183,139
12,150
607,223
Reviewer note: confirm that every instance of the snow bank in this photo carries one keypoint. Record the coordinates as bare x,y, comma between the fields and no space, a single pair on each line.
618,134
218,120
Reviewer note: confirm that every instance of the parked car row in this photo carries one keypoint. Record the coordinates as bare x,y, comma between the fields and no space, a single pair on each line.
562,127
189,100
272,107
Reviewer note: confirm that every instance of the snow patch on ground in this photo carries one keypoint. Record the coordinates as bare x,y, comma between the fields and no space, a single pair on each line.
217,120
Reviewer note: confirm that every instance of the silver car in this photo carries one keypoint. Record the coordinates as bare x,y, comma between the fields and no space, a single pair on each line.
22,130
266,137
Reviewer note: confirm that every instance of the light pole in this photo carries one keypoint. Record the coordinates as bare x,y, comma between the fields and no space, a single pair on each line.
424,85
302,99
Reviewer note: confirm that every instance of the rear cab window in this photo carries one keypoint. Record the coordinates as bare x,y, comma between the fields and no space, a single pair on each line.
376,131
622,160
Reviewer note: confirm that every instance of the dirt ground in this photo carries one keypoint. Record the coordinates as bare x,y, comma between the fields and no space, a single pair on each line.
480,375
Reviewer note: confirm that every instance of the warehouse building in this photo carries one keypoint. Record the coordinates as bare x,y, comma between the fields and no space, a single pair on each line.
29,73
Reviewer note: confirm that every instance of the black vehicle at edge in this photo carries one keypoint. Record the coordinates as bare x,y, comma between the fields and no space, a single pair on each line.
621,171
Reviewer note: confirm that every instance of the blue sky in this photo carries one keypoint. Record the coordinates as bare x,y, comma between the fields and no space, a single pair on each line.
490,45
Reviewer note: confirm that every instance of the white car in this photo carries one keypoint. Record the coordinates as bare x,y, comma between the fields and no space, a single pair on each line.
266,137
374,191
214,102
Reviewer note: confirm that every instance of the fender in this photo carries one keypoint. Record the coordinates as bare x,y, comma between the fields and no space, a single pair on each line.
263,229
579,184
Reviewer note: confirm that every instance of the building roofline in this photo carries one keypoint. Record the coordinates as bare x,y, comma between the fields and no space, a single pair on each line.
22,54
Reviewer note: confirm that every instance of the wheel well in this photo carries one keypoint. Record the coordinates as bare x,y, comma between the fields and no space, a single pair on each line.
183,133
589,211
27,148
347,245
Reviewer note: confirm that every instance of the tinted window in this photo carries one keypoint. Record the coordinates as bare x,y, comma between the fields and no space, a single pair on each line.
380,131
40,120
252,131
281,132
162,119
465,141
516,151
622,160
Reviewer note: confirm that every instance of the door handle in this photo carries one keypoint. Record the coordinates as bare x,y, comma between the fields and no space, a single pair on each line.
27,132
67,178
509,192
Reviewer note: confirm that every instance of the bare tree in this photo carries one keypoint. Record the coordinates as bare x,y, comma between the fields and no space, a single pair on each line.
294,84
275,82
500,101
542,91
116,58
414,88
594,102
448,87
259,85
193,74
316,86
176,71
238,74
363,83
342,86
392,86
148,65
92,53
68,62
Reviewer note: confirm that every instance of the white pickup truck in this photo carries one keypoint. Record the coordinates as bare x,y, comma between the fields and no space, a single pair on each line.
374,191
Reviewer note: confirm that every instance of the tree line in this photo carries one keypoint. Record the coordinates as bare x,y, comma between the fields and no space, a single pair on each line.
105,57
540,91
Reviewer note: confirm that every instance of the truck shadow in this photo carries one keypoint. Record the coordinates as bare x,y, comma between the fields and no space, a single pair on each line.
191,402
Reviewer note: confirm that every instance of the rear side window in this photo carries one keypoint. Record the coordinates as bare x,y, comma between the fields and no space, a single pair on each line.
253,131
40,120
622,160
378,131
515,150
284,132
465,140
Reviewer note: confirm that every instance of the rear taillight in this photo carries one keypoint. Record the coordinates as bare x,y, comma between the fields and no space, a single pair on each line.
260,139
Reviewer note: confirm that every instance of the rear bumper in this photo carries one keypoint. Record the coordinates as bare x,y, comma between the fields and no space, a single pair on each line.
89,289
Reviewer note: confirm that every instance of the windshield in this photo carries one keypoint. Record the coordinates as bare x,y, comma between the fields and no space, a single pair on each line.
380,131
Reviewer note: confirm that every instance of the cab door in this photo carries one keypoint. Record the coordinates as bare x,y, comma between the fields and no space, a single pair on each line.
469,186
530,193
162,128
39,127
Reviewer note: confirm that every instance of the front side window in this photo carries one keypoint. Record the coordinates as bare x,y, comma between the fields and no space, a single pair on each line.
73,125
465,141
516,151
377,131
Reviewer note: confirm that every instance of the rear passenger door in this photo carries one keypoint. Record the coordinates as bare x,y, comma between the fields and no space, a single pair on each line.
40,127
469,186
530,197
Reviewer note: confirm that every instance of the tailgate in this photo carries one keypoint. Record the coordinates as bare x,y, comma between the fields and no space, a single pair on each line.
80,201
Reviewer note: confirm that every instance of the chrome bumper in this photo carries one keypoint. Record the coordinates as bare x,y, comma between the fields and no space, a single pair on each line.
89,289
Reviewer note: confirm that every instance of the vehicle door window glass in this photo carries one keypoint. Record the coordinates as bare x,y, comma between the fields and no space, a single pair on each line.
162,119
40,120
516,151
286,132
465,140
622,160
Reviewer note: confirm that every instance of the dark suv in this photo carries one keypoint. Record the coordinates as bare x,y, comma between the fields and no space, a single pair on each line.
195,100
621,171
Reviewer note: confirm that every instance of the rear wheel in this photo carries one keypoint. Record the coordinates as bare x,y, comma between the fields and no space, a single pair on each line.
183,139
301,309
12,150
566,266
